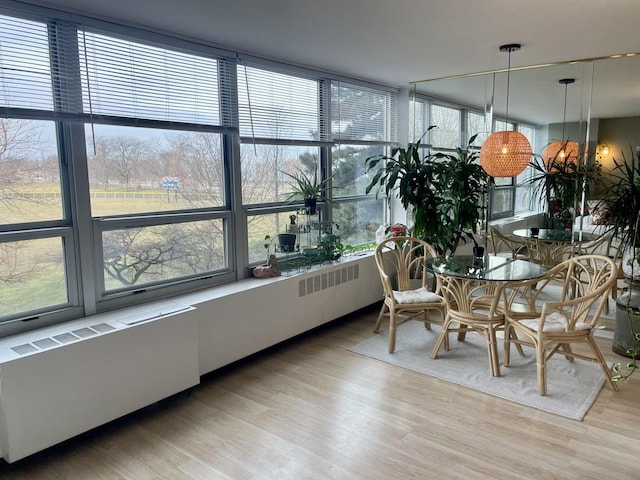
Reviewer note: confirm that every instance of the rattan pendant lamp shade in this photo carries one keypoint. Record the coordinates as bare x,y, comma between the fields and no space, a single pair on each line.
561,151
506,153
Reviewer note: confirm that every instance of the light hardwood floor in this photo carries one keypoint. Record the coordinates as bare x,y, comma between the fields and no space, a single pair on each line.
310,409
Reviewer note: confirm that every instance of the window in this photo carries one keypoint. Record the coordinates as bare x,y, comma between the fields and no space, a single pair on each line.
36,236
448,131
155,163
524,194
136,166
477,125
146,190
502,200
362,125
280,128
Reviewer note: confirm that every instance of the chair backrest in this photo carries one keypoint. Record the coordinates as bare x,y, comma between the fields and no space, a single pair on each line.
403,259
505,243
586,281
600,246
548,253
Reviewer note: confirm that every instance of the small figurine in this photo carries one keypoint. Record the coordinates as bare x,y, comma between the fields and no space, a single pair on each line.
293,228
269,270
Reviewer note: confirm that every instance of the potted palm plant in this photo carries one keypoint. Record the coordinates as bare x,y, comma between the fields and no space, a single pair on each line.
306,187
560,182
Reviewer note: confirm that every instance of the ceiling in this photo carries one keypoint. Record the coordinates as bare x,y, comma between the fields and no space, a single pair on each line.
393,43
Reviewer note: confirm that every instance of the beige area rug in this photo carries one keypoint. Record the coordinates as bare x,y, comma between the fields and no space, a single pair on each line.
572,386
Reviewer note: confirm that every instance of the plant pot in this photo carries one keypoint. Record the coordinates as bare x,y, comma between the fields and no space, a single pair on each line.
627,320
555,207
310,205
630,265
287,242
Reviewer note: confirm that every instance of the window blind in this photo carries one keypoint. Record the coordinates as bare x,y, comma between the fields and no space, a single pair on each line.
273,105
25,64
124,78
448,133
362,114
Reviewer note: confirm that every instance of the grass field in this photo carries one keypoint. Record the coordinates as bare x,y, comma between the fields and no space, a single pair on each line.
40,281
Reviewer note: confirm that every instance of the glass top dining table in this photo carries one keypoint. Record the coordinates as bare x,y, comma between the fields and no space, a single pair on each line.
472,288
491,268
555,235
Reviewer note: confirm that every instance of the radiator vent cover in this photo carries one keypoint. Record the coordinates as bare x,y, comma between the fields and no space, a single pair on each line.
331,279
62,338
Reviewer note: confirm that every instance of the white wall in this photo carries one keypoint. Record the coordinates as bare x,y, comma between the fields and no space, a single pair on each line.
254,314
114,363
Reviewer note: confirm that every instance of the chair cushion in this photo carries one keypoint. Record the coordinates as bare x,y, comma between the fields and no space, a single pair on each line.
555,322
419,295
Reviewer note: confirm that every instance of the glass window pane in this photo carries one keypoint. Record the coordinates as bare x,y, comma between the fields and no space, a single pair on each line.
502,126
276,105
130,79
25,66
418,119
259,226
448,133
349,169
29,172
147,255
358,220
141,170
524,200
503,181
478,126
263,180
32,275
528,132
502,202
359,113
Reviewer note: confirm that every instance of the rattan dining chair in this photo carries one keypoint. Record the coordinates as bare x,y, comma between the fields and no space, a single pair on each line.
507,245
410,291
548,253
571,317
471,307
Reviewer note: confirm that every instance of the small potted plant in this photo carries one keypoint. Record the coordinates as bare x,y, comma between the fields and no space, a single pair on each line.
306,187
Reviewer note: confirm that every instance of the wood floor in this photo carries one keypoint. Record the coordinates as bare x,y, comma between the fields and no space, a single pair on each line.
310,409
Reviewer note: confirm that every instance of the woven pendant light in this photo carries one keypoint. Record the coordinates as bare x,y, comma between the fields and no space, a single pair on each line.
506,153
561,151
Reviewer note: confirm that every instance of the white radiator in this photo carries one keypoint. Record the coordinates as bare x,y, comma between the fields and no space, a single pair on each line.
55,383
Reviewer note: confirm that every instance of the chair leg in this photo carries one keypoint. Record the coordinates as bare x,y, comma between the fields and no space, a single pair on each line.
507,345
493,351
541,363
566,347
427,323
603,364
383,310
442,338
392,331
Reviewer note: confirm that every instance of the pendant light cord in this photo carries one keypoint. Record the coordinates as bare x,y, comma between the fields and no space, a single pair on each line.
508,81
564,115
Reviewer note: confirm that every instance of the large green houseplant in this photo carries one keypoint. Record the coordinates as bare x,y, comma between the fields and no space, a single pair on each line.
560,182
443,191
620,205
